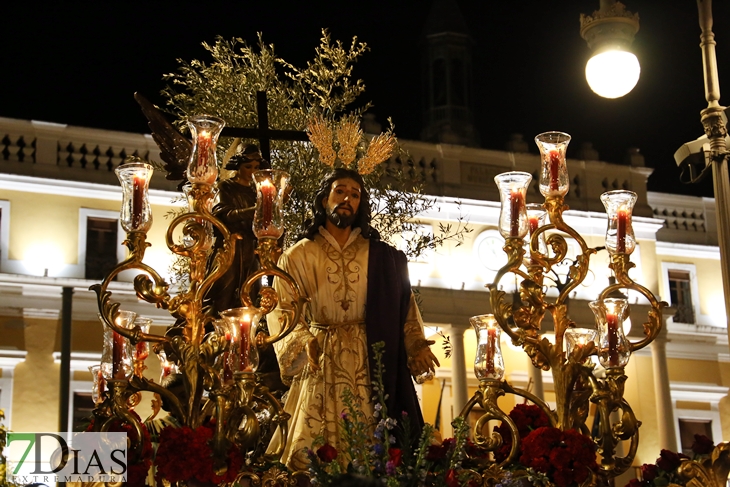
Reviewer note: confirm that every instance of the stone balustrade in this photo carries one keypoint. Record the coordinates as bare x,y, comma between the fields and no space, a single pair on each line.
57,151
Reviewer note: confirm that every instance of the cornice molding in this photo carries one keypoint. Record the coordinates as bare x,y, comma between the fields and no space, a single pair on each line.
672,249
79,189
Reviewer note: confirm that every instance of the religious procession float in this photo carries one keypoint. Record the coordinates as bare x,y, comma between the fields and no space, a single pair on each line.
221,415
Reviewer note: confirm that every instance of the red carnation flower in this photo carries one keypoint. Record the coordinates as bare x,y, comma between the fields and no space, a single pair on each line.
649,471
439,452
395,456
452,478
563,477
560,458
668,461
702,445
327,453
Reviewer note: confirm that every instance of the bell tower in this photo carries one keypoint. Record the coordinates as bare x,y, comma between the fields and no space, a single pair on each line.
447,74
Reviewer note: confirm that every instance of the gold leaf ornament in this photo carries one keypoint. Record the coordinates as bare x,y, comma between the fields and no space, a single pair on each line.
380,149
349,136
321,136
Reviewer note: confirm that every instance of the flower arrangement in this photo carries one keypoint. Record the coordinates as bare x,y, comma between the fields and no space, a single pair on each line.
185,454
390,453
567,458
546,455
139,464
527,418
664,471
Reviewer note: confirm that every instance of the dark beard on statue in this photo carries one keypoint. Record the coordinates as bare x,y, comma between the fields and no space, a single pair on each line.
341,221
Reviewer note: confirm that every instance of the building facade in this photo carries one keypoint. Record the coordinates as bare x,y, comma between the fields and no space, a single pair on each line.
59,213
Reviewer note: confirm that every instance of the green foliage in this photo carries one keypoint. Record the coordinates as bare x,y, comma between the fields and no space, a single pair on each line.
226,87
3,460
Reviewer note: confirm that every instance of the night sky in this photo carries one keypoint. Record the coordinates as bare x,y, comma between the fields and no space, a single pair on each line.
80,64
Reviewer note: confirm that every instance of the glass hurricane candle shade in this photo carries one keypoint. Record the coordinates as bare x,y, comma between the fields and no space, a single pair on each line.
117,355
224,362
554,171
512,193
142,349
98,390
136,214
203,165
620,233
239,326
488,363
614,349
577,338
268,219
536,218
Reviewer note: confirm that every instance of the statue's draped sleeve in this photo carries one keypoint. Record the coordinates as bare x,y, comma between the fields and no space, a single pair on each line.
291,350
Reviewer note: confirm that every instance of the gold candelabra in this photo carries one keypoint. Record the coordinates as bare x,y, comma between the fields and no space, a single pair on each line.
218,368
576,381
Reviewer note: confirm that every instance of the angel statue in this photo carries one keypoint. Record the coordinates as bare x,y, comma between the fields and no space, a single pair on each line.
235,208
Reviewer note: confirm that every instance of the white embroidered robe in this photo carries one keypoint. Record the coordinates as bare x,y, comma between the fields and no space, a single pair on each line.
335,280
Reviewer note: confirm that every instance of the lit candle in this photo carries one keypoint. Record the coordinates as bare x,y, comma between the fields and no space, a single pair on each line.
517,204
268,191
612,326
554,168
491,347
245,330
138,186
622,220
204,140
117,356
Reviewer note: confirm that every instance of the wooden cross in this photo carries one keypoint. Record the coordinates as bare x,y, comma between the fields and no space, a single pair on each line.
263,133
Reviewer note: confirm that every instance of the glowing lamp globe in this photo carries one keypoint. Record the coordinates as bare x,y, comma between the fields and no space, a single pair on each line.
613,73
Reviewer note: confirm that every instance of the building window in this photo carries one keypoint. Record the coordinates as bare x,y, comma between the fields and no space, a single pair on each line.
681,289
680,295
100,243
688,428
101,247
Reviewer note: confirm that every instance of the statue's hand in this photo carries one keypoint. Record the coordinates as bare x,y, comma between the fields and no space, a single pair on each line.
313,353
423,361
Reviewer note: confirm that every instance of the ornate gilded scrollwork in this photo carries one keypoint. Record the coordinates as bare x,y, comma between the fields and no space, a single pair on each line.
576,384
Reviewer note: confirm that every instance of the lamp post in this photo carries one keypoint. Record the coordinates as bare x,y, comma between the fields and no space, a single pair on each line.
612,27
613,70
716,131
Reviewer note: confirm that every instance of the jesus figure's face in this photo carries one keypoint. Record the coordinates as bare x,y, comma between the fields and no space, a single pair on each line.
343,202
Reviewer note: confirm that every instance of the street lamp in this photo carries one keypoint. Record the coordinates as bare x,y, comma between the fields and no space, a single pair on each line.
613,70
609,33
713,146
